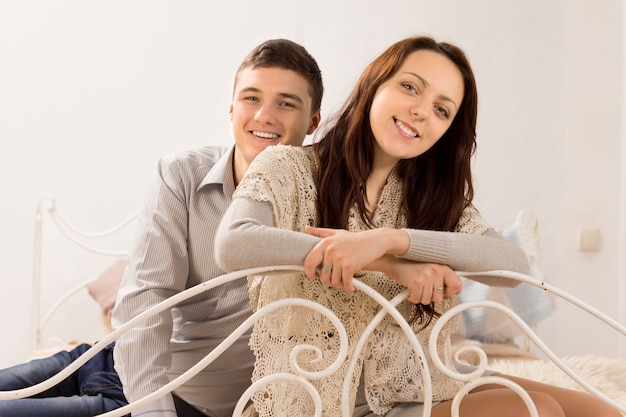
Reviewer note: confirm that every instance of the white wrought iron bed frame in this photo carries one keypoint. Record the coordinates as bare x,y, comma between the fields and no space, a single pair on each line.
300,375
48,207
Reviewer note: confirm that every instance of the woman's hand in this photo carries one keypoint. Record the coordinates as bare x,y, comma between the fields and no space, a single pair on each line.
340,254
426,282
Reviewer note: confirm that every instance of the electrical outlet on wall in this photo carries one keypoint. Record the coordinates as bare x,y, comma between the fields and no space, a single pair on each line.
588,239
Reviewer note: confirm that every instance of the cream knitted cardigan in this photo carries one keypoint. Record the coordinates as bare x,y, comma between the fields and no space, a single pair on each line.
283,176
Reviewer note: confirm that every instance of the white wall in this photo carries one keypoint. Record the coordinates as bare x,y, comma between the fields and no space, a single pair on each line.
92,93
622,288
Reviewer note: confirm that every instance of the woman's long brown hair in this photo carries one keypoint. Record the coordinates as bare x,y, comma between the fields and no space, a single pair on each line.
437,185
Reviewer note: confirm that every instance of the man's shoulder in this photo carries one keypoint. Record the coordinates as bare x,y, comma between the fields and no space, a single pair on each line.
202,156
192,166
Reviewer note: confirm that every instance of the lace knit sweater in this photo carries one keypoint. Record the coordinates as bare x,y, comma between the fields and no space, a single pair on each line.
283,177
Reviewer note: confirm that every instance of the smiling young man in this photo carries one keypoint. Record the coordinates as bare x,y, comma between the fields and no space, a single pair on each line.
282,111
276,99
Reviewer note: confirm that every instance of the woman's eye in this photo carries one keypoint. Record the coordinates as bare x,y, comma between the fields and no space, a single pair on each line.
409,87
442,111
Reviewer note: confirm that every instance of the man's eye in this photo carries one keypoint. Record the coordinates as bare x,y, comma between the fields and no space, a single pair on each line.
286,104
251,98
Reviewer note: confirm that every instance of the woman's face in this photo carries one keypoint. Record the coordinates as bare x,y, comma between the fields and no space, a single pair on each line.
414,108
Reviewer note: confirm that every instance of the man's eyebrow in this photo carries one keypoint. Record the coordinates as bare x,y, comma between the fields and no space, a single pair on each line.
291,96
426,83
294,97
250,90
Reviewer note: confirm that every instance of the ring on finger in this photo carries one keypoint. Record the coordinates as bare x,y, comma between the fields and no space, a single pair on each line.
327,269
439,289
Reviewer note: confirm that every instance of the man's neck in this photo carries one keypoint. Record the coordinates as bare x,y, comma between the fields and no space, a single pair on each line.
240,166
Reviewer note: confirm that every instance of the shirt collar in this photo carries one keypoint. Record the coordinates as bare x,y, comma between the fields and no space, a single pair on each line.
222,173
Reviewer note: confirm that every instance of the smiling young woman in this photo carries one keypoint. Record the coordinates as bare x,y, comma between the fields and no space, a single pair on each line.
386,194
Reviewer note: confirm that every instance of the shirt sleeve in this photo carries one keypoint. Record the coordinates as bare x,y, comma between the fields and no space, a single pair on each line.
473,247
247,226
469,252
266,217
163,407
157,269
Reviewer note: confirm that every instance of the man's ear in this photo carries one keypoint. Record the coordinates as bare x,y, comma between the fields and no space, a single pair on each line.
230,111
315,122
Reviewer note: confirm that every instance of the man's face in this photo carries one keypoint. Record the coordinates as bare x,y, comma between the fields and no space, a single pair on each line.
270,106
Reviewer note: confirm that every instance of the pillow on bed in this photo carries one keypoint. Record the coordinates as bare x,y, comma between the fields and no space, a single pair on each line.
104,288
531,303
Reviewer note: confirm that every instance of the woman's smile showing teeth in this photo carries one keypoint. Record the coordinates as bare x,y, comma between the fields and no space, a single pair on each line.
406,129
265,135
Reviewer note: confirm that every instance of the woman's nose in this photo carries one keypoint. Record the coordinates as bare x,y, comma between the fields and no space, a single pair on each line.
420,109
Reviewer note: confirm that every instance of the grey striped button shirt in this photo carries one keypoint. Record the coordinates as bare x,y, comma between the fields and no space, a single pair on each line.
174,251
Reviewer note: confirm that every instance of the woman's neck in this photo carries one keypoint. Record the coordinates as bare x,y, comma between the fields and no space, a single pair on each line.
374,186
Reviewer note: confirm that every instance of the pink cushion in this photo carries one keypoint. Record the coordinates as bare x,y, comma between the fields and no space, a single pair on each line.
104,288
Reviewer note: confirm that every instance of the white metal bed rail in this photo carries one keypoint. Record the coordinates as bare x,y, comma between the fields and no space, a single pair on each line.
76,237
303,377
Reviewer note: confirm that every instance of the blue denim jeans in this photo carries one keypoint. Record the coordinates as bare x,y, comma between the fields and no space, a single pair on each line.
93,389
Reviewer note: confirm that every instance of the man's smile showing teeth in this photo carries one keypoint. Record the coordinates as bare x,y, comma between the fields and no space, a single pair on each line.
406,129
265,135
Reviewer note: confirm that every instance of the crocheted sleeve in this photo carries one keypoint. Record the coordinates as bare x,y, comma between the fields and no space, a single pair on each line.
472,222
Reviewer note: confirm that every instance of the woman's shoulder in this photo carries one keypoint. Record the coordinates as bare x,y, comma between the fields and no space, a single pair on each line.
472,222
277,173
281,157
285,152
